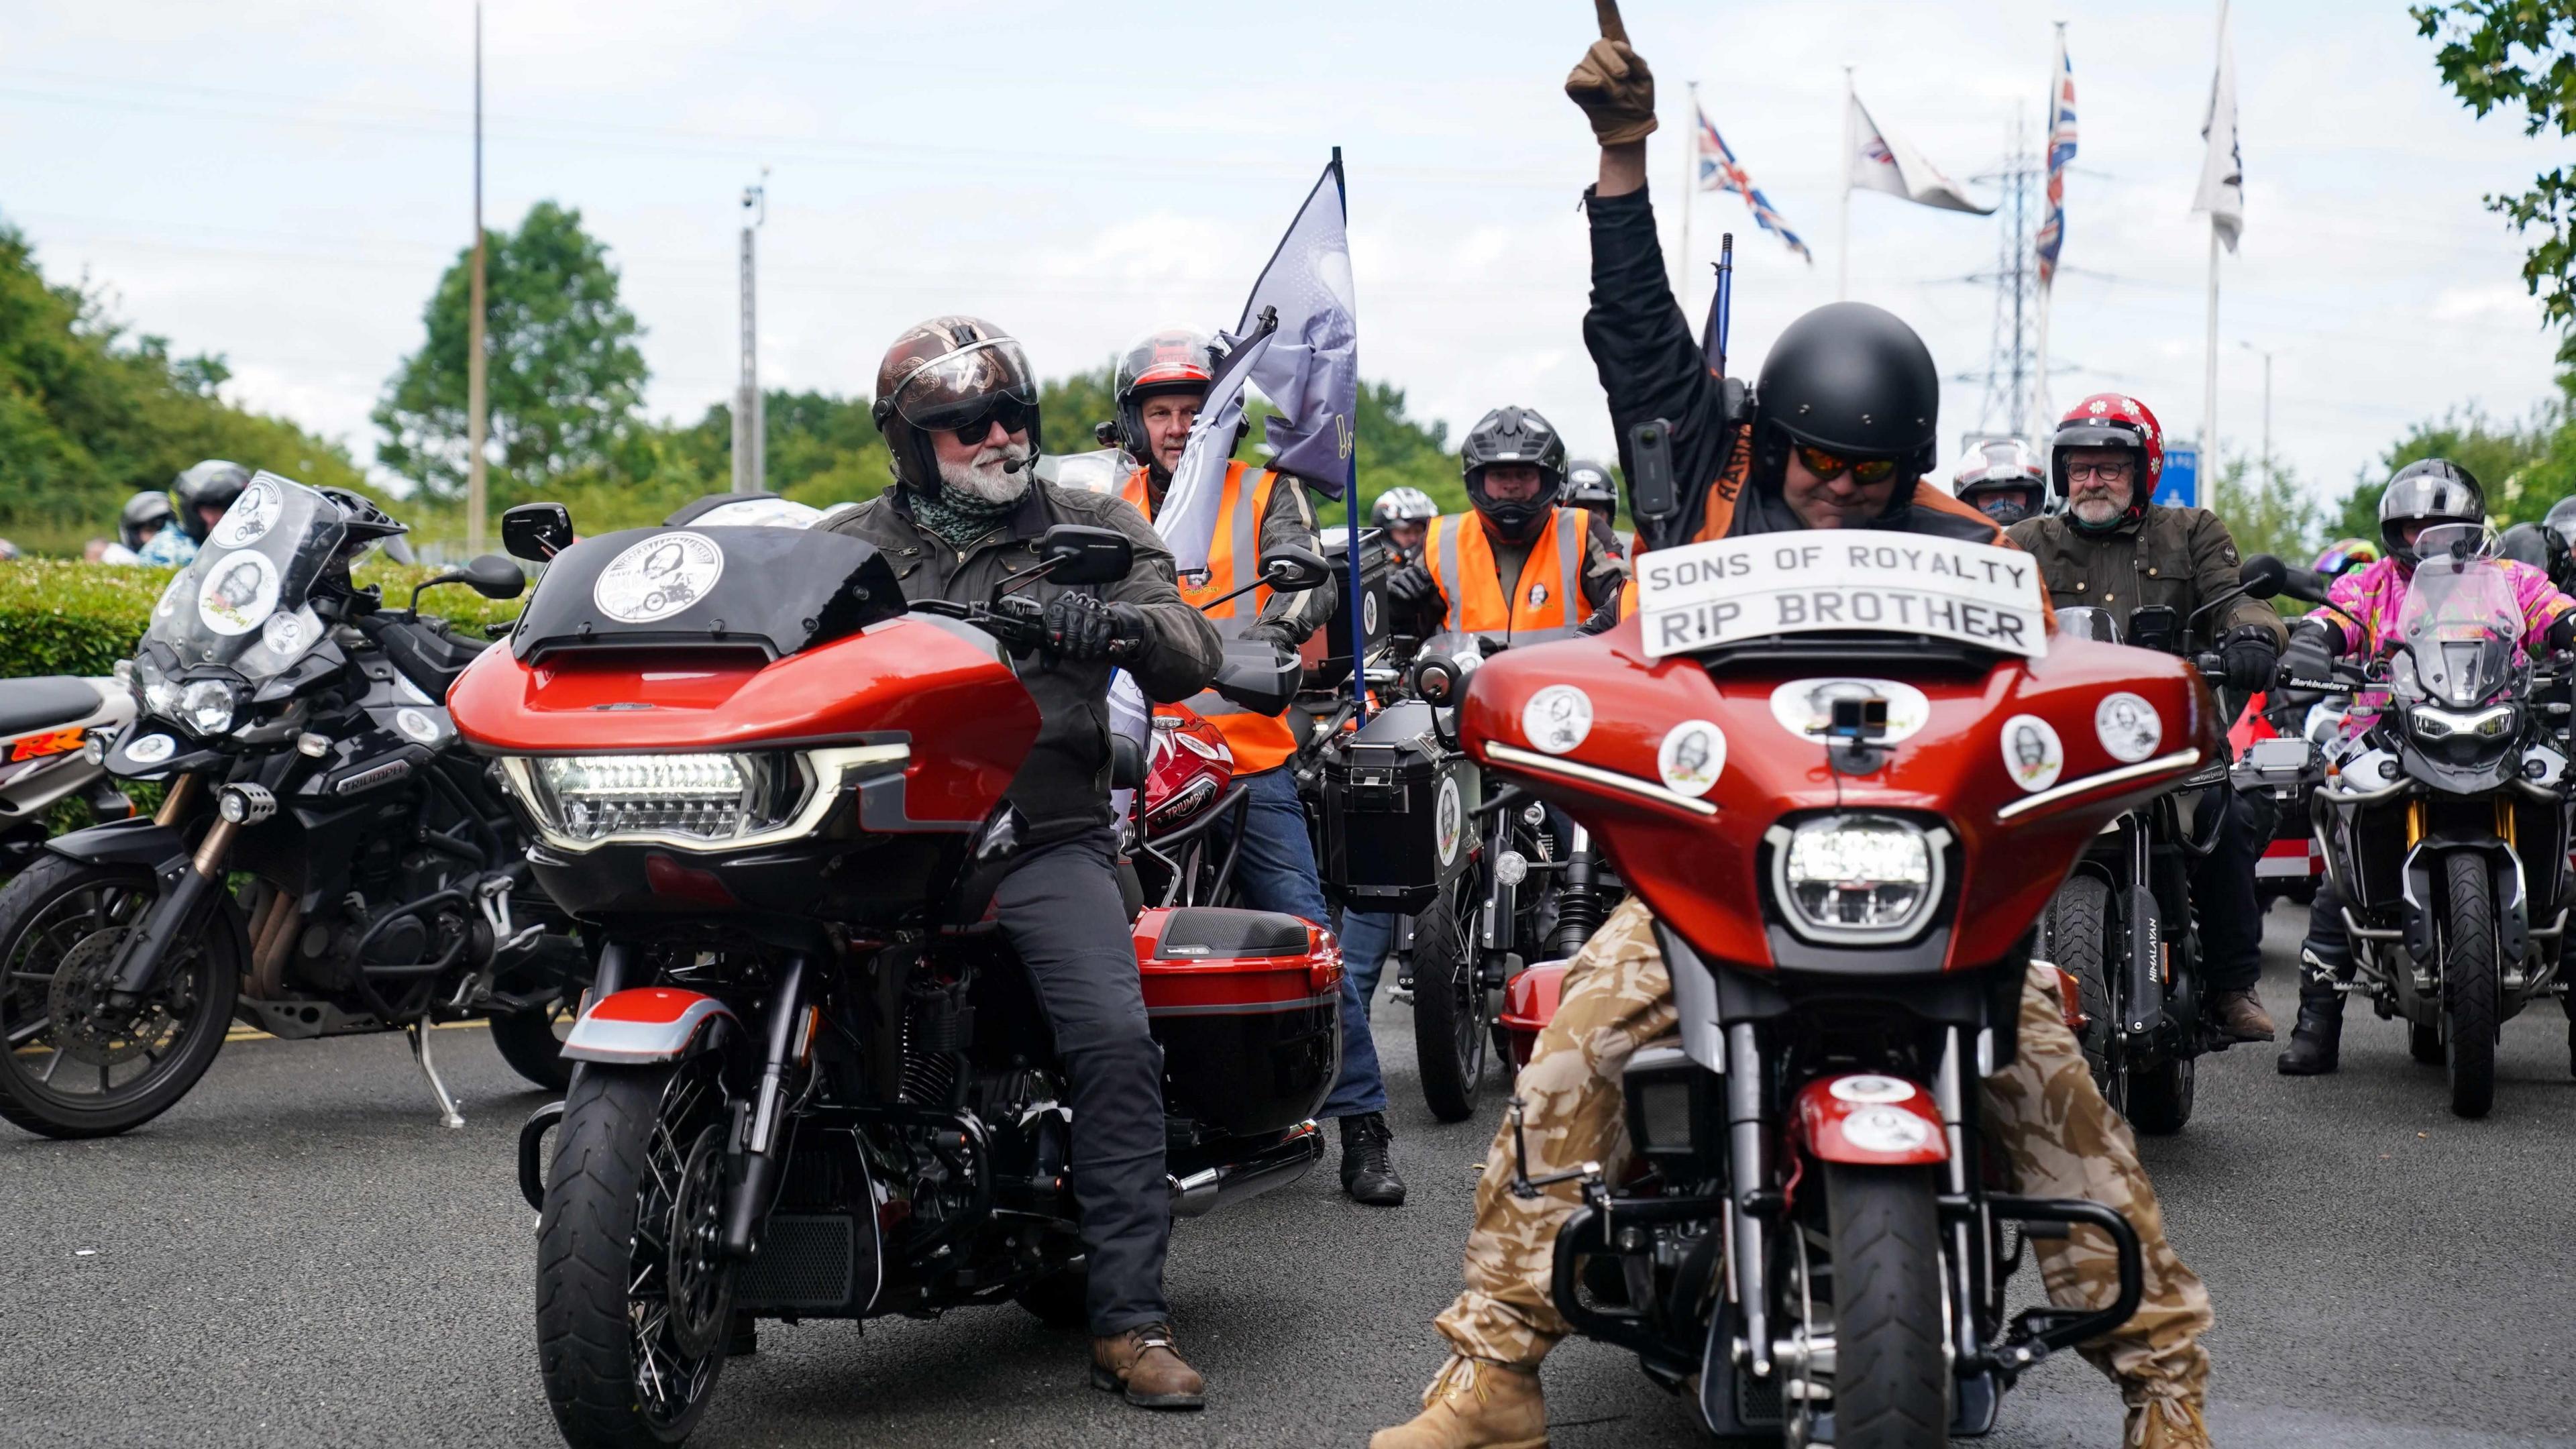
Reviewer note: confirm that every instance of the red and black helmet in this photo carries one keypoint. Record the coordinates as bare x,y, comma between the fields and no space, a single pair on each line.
1175,359
2111,420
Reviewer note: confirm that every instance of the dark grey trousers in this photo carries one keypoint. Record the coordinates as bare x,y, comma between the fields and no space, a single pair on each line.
1061,910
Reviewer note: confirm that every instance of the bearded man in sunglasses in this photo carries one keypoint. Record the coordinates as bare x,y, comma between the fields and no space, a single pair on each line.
1840,430
958,406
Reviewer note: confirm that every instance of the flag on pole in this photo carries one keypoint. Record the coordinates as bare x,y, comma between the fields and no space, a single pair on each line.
1311,371
1188,518
2222,171
1720,171
1880,162
2061,152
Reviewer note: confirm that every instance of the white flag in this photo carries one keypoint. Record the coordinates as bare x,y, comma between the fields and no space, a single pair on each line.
1880,162
1188,518
2222,171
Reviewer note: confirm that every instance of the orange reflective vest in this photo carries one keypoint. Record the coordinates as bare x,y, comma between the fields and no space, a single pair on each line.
1546,602
1259,741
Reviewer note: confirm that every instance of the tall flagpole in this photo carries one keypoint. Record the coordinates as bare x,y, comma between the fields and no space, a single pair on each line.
1690,191
1357,603
1842,273
475,485
2041,414
2209,385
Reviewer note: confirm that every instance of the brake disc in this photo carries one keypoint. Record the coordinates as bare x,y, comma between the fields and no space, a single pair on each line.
700,1293
84,1026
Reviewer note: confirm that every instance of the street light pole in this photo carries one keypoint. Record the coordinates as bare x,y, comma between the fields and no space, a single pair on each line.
750,428
2266,355
476,499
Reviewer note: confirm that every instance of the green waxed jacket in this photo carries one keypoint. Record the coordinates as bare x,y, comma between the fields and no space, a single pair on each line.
2180,557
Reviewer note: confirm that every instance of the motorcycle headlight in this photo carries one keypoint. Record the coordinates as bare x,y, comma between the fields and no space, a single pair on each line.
707,799
2431,723
206,706
1856,878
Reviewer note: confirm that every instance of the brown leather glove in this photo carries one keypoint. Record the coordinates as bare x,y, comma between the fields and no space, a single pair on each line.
1614,88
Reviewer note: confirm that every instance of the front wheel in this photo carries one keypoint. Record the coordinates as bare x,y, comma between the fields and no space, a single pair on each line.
2469,984
1450,1003
2080,927
2160,1095
634,1293
73,1063
1891,1374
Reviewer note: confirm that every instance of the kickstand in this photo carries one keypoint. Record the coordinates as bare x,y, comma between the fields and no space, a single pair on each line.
448,1116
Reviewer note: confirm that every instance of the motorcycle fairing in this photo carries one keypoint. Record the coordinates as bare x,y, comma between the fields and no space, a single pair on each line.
1704,877
778,591
1529,1004
1869,1119
137,840
644,1024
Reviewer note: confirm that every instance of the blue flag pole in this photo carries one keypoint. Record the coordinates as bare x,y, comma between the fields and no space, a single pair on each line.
1357,602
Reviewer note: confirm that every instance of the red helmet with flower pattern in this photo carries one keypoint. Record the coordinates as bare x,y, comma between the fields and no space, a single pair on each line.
2111,420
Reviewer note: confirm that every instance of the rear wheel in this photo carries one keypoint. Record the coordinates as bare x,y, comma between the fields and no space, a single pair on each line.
1891,1381
72,1063
1450,1003
2469,984
532,1042
634,1294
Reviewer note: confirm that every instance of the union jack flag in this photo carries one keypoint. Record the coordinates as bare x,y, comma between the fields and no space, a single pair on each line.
1720,171
2061,150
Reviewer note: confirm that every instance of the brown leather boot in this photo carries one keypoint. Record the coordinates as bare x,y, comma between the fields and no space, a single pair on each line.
1144,1367
1474,1404
2165,1424
2241,1015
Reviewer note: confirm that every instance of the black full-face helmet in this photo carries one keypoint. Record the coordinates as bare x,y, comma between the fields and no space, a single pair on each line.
1854,381
214,483
1515,435
2421,495
147,509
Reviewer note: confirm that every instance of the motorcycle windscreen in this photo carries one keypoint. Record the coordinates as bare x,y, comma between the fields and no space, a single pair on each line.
2461,623
782,590
245,601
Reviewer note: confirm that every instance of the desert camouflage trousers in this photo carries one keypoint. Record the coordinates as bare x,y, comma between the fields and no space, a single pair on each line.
2059,1136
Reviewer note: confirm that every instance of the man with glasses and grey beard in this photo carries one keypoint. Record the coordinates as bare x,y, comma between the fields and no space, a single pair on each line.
2115,548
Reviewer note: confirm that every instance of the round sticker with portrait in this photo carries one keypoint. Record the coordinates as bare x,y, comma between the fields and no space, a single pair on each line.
239,593
2033,754
2128,726
1557,718
250,518
658,578
1691,757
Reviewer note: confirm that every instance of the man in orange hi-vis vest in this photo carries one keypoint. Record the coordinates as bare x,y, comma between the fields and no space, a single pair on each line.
1522,567
1160,384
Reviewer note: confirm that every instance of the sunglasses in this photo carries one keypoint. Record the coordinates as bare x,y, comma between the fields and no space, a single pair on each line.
1014,414
1829,466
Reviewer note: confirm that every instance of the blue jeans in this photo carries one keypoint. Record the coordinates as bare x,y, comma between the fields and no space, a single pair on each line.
1275,871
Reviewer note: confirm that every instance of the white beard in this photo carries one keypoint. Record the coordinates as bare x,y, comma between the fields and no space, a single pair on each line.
986,478
2098,510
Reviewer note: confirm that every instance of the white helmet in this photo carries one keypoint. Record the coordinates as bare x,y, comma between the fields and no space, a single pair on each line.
1403,505
1994,472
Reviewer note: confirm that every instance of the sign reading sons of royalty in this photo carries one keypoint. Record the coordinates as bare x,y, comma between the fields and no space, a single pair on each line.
1705,594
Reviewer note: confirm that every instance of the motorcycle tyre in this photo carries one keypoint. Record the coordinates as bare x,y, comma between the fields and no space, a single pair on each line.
2161,1095
585,1340
527,1041
2469,984
220,967
2079,928
1891,1375
1061,1299
2424,1044
1450,1052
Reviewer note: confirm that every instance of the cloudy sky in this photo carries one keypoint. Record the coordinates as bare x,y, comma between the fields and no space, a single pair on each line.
281,181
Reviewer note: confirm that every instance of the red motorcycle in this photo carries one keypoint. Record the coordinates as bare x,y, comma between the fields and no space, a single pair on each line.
1846,837
813,1080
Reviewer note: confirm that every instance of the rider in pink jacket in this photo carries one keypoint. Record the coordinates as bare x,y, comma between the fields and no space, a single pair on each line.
2360,613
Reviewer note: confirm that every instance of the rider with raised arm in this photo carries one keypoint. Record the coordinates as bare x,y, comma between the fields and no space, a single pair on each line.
2361,609
1844,428
958,405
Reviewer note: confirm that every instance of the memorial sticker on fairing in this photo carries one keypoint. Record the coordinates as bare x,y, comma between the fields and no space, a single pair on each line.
658,578
250,518
1449,820
1557,718
2033,754
2128,727
239,593
1701,595
1691,757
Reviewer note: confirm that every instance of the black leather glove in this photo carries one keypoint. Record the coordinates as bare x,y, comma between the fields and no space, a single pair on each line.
1274,636
2250,657
2562,633
1412,586
1128,631
2309,661
1079,626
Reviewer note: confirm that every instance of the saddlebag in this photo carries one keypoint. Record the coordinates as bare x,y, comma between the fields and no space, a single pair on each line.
1247,1008
1397,813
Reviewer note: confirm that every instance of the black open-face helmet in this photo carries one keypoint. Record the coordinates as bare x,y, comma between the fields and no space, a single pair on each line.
951,374
1854,381
147,509
213,483
2421,495
1514,435
1589,485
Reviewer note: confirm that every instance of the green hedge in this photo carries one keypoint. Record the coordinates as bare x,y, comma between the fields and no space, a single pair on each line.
80,618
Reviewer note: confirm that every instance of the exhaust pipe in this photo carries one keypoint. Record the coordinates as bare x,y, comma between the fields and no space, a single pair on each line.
1230,1183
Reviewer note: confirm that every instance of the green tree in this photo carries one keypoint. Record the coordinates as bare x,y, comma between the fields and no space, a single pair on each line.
565,373
2277,515
2504,53
2523,466
88,417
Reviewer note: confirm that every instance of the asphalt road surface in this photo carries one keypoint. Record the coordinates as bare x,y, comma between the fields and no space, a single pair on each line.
298,1254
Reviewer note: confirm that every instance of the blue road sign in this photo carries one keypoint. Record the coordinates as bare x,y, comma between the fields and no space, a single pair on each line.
2180,486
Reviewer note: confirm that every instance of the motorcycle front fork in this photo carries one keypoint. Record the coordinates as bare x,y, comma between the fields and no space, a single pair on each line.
186,890
761,1141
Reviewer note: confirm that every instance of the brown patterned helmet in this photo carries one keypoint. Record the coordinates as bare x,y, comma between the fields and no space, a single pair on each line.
953,374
